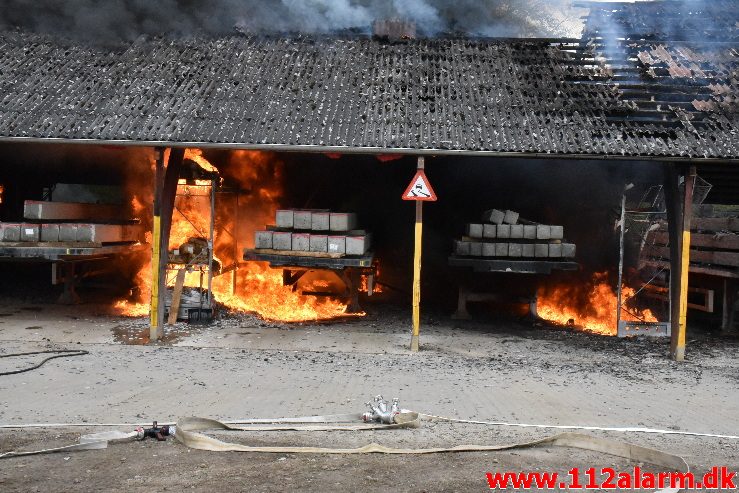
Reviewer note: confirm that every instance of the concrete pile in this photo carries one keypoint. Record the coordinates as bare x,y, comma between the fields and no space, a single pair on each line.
317,231
506,234
70,222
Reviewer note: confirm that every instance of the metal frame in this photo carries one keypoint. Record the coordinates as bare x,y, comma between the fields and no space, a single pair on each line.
208,264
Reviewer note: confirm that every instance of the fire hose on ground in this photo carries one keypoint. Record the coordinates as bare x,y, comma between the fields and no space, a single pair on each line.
58,353
381,416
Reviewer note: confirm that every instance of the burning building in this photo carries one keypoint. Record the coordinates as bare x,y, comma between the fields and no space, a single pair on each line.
639,86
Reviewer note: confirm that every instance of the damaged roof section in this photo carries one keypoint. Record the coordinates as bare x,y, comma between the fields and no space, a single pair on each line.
560,97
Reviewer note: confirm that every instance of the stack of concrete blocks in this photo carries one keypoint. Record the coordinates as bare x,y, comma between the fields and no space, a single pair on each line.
66,226
314,230
500,234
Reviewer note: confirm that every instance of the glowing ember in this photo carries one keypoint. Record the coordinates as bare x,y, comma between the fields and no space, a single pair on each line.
591,306
258,289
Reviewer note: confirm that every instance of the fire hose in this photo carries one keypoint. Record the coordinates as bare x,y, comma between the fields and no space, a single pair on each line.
61,353
188,431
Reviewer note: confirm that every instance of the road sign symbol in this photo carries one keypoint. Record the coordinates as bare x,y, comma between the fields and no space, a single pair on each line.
420,189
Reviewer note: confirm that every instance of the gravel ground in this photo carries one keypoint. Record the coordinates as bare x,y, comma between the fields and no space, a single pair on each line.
503,370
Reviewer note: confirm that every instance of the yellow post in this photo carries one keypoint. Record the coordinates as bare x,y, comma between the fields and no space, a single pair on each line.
156,312
677,346
417,271
155,271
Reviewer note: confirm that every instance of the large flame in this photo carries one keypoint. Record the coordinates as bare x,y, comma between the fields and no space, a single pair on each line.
256,288
590,306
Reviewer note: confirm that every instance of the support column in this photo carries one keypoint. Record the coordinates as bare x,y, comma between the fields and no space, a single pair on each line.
679,212
165,190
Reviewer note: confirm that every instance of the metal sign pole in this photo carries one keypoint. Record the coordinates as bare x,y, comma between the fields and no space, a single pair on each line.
417,270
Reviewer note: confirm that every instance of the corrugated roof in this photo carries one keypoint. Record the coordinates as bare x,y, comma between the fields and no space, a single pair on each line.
504,96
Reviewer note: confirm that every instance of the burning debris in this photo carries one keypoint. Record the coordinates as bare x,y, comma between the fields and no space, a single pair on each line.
589,305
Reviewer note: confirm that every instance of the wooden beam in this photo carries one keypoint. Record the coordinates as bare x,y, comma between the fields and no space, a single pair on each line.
165,189
702,240
730,259
174,307
711,224
679,211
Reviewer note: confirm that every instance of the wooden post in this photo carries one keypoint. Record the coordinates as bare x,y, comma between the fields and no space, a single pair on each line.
679,212
165,190
156,233
417,270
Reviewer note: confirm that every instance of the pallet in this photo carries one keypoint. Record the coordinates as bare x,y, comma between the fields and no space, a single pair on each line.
293,253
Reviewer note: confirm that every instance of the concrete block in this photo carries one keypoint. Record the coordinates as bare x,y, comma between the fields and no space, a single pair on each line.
527,250
319,243
510,217
109,233
517,231
543,232
342,221
67,232
488,249
493,216
337,244
74,211
284,218
556,232
49,232
476,248
541,250
282,240
474,230
302,219
515,250
358,245
529,231
30,232
555,250
11,232
489,230
504,231
300,242
320,221
501,249
568,250
461,247
263,239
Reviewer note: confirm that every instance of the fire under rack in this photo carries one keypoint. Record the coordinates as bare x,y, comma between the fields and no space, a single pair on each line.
70,264
349,269
481,265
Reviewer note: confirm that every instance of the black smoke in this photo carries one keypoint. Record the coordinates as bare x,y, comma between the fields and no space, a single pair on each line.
125,20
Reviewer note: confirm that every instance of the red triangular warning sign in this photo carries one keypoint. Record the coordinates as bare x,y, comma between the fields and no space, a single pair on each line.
420,189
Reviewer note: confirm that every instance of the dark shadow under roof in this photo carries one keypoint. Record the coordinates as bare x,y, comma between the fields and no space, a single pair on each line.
443,95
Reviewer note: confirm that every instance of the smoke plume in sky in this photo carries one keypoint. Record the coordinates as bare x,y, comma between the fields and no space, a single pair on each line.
125,20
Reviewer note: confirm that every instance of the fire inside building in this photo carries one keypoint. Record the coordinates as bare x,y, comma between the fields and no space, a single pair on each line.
590,182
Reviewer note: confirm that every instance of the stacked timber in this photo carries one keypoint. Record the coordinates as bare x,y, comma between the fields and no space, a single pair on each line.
714,241
506,234
71,222
313,232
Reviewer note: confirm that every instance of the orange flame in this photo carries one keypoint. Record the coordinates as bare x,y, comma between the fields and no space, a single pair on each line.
258,288
590,306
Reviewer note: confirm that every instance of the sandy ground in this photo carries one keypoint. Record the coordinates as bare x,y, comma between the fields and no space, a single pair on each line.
240,367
